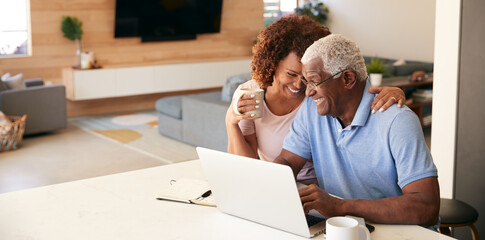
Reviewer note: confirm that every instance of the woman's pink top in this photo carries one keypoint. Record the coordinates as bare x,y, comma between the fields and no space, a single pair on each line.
270,131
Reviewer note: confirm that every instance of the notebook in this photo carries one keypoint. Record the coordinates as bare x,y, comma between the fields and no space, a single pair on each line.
188,190
258,191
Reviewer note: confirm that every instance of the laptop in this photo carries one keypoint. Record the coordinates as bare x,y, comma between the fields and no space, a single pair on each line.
258,191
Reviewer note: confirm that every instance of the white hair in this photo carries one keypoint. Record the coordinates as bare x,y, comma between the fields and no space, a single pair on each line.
337,53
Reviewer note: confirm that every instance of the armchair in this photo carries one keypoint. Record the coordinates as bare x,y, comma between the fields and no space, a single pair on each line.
45,105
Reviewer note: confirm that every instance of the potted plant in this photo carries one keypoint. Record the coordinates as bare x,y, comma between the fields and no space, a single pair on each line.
315,9
71,28
375,69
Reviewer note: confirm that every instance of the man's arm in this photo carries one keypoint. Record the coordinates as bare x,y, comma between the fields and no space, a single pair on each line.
290,159
419,204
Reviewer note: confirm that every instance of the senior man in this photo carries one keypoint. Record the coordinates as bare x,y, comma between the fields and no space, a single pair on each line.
378,164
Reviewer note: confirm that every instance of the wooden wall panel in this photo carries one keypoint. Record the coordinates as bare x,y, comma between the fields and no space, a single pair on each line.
51,51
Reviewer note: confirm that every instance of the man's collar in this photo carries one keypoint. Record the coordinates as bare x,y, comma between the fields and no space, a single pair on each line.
363,111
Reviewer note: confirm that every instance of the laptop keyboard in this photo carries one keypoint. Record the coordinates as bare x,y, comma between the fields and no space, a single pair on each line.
312,220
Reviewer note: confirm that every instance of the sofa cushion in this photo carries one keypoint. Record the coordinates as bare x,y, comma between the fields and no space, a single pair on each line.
170,127
33,82
204,120
3,86
231,84
171,106
389,70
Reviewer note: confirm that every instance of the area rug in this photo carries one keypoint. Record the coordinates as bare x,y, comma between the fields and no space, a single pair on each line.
139,131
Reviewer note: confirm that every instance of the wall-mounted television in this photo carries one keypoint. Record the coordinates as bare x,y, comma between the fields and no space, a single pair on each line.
165,20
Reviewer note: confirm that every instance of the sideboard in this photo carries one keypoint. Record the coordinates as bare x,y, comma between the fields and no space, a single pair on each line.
128,81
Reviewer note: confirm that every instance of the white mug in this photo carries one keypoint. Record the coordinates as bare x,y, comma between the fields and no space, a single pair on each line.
258,95
344,228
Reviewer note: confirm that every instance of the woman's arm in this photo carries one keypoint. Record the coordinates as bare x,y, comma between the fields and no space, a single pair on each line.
238,143
387,97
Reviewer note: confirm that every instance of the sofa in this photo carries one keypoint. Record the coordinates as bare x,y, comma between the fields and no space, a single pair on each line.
44,105
397,68
199,119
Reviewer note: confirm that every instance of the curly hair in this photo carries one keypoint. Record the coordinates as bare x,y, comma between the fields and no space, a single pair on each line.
291,33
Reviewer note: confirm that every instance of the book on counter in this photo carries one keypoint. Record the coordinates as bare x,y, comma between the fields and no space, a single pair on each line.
423,95
187,190
426,120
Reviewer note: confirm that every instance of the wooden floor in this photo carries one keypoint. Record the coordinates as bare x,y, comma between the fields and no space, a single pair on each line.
66,155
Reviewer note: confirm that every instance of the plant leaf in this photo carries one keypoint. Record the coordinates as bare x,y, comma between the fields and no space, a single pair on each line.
376,65
71,28
314,9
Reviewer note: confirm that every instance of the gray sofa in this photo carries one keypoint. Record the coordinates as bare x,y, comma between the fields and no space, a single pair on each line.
405,69
199,119
45,105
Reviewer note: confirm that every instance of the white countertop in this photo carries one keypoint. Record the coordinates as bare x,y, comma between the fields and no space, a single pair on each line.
123,206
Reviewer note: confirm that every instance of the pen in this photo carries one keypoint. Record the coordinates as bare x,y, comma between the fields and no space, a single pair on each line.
206,194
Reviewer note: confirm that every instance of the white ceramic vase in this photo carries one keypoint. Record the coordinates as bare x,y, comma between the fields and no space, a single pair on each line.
375,79
87,60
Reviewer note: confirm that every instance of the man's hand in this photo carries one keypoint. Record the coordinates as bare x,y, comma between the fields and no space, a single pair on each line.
312,197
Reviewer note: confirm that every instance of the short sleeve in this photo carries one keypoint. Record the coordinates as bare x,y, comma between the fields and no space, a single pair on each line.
410,152
247,126
298,140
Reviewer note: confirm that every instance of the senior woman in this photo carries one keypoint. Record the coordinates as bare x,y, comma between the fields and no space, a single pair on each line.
276,68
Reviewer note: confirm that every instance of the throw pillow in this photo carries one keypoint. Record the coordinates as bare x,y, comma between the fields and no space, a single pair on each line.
15,82
232,83
5,76
399,62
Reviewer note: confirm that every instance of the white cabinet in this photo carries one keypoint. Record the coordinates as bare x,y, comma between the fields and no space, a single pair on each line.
119,82
173,77
94,84
134,81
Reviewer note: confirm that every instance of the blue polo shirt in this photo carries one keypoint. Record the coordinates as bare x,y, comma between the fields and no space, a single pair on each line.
374,157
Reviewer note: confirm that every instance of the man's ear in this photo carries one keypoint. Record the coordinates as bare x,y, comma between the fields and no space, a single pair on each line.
350,79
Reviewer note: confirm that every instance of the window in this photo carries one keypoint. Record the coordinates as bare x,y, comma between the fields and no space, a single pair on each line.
14,28
275,9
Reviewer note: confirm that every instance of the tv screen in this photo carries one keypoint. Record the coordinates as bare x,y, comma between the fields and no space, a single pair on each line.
163,20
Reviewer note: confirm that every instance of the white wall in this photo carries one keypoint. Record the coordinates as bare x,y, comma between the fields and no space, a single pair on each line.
386,28
445,92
